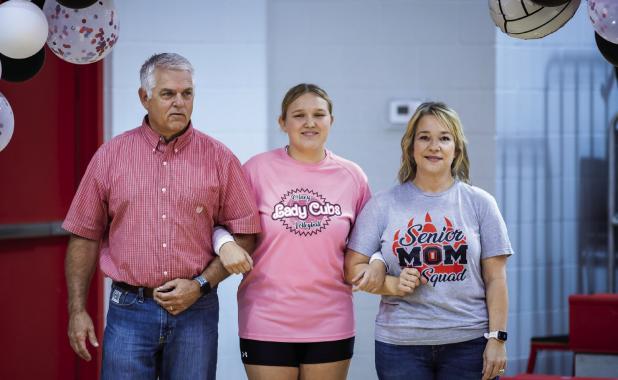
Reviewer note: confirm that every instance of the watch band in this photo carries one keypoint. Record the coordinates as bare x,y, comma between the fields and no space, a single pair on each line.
497,334
205,287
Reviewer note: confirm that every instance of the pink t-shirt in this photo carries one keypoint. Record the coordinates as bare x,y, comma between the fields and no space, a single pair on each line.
296,291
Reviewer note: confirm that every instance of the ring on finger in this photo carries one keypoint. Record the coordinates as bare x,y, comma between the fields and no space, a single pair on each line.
501,372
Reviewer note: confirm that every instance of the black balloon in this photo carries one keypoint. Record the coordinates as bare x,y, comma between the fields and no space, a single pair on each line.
39,3
19,70
608,49
550,3
76,4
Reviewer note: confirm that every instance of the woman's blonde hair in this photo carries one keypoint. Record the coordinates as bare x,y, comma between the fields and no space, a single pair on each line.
460,168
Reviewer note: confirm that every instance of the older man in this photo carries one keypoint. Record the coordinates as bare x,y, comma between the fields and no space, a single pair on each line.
147,203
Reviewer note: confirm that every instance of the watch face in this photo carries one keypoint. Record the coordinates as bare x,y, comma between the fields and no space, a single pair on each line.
502,335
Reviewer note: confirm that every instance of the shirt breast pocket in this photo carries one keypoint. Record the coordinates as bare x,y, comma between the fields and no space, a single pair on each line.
201,202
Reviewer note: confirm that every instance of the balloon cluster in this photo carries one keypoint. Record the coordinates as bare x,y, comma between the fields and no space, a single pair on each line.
77,31
528,19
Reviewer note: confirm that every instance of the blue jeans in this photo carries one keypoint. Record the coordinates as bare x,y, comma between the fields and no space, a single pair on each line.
143,341
457,361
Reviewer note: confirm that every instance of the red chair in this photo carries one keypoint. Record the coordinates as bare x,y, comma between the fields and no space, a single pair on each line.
593,323
593,328
555,343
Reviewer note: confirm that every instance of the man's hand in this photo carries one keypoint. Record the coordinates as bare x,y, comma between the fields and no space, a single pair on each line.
235,259
177,295
80,327
80,264
409,279
371,278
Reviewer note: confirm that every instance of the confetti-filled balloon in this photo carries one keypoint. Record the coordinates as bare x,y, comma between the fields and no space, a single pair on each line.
82,35
23,29
604,17
7,122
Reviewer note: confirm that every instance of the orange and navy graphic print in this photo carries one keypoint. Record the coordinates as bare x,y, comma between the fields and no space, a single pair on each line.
440,255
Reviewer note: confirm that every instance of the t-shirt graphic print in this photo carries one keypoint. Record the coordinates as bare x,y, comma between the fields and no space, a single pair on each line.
305,212
439,254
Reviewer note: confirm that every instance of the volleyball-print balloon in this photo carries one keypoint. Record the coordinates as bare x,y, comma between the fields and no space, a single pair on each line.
7,122
604,17
527,20
82,35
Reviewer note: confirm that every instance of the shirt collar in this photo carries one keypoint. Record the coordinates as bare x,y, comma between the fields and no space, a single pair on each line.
154,139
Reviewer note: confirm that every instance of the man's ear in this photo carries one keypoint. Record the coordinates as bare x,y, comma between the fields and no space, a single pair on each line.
143,97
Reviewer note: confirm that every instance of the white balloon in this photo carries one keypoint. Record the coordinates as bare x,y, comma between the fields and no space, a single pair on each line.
23,29
527,20
7,122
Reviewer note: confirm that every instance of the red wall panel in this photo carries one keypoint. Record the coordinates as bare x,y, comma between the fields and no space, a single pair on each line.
58,126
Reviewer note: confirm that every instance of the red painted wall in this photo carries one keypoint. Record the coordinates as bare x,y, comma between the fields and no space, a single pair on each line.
58,126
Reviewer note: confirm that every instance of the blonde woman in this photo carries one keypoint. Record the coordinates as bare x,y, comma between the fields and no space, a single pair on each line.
444,305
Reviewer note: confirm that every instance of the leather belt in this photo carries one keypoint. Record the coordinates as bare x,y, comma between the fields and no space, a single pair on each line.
147,292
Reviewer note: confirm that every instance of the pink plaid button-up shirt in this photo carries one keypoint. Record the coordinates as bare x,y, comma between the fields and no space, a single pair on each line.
153,204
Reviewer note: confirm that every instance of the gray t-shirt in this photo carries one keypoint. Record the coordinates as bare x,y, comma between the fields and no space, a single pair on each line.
445,236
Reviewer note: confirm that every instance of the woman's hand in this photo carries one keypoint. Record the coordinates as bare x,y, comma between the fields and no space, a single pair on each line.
409,279
494,359
371,278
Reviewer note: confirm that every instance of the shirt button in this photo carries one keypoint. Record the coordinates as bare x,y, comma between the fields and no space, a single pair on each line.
175,150
164,163
163,216
164,245
164,189
165,273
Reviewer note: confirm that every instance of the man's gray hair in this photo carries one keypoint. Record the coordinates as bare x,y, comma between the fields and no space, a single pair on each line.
164,61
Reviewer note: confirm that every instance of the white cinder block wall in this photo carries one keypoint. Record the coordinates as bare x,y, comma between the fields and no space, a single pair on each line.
247,53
